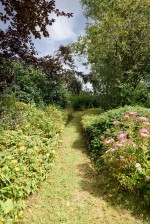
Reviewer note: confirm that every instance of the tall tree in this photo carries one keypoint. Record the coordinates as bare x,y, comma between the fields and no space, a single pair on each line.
117,43
24,19
61,68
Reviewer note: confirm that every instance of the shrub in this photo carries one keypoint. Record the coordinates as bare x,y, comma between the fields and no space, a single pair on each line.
85,100
31,85
119,141
131,96
27,151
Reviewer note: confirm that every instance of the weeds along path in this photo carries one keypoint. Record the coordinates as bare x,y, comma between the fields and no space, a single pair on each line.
71,194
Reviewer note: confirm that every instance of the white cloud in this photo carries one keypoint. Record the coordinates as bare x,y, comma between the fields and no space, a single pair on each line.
62,29
65,30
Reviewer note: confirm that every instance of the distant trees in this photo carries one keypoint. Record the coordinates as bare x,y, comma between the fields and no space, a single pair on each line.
117,44
51,80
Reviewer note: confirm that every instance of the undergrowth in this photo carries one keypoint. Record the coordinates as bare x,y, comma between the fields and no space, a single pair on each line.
29,137
119,142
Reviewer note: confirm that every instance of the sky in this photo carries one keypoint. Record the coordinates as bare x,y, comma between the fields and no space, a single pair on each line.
65,30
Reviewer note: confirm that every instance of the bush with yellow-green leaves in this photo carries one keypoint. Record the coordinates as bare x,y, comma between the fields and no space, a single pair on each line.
27,150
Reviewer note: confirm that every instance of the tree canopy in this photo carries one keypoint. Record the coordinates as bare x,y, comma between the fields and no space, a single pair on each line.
117,44
22,20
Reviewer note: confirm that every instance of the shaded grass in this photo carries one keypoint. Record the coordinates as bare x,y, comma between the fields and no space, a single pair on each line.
76,194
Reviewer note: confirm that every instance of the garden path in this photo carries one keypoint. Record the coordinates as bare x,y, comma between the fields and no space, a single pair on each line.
72,194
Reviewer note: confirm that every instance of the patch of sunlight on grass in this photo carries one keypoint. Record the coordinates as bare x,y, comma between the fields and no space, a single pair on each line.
75,194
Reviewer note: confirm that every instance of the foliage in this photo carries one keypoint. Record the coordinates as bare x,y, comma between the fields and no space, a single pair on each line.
32,85
131,96
24,19
28,84
119,142
27,151
116,44
6,74
10,114
61,68
48,81
92,112
84,100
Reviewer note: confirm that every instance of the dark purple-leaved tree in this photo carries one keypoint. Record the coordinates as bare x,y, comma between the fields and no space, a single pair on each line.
22,19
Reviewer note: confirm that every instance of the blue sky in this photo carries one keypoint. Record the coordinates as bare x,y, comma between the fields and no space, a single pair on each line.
64,30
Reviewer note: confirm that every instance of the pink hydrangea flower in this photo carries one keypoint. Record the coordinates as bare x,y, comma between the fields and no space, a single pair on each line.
113,150
109,141
122,135
132,113
116,122
142,118
119,144
144,133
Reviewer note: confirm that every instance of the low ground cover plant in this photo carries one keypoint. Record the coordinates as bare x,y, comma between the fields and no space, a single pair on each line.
27,150
120,142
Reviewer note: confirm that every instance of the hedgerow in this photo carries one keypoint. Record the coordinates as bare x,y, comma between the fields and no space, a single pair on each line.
27,147
119,141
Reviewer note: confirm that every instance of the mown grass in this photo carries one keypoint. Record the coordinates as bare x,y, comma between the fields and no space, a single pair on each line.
75,194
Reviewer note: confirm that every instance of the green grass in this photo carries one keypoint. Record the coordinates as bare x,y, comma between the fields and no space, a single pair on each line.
75,194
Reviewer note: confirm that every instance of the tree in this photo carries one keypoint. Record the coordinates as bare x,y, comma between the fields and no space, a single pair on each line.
117,43
52,79
24,19
61,69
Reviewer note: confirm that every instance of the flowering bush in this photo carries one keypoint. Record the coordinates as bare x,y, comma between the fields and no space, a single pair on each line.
127,152
26,154
122,145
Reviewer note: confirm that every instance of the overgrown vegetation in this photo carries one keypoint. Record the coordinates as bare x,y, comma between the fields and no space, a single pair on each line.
85,100
46,83
29,137
119,142
33,91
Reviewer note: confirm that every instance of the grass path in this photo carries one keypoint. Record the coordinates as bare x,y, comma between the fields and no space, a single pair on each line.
74,194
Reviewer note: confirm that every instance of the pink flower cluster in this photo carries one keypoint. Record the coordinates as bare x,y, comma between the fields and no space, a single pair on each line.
145,133
123,143
125,138
127,147
142,118
130,114
108,141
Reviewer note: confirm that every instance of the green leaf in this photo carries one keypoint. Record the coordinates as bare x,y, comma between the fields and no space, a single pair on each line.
7,206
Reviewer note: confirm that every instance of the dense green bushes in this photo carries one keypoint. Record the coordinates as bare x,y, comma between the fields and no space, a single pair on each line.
28,140
31,85
119,142
85,100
